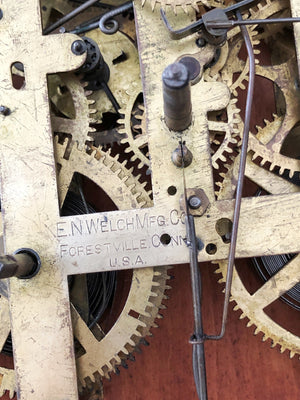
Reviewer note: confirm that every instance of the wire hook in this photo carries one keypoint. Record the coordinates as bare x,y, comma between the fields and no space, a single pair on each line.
109,25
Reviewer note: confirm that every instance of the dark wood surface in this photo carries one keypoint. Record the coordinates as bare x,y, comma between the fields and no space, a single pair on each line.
239,367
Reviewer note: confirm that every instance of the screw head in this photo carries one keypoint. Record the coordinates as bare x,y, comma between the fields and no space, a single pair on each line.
4,110
175,76
201,42
78,47
194,202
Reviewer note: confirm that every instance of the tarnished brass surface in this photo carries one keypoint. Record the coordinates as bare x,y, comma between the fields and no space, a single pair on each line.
140,234
32,189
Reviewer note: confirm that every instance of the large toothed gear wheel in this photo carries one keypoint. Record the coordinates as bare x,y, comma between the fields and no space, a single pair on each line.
73,102
148,285
231,68
253,305
223,134
195,4
272,143
134,134
174,4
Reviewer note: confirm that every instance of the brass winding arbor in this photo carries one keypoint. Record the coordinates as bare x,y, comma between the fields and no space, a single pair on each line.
139,238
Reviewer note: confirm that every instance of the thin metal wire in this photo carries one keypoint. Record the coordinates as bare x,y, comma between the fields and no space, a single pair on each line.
69,16
107,18
240,181
197,341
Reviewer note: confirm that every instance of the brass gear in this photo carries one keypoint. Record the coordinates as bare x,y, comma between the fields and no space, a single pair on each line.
148,285
133,126
184,4
129,130
121,56
70,98
253,305
268,142
266,145
231,68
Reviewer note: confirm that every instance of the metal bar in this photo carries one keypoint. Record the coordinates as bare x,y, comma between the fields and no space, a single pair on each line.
15,265
239,190
69,16
231,23
198,338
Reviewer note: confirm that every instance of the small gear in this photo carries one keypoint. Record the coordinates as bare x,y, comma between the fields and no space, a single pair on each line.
121,57
253,305
70,99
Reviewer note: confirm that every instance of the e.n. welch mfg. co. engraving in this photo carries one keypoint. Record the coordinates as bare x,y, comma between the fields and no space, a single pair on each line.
144,233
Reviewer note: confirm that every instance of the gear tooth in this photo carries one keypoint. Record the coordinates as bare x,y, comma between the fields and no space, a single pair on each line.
281,170
117,359
215,164
291,174
257,330
236,308
292,353
87,93
133,157
282,349
265,338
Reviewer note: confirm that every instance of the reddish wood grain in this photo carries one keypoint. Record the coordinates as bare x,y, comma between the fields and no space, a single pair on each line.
239,367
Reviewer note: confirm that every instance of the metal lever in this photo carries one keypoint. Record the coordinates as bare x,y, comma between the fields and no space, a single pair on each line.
196,26
198,338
